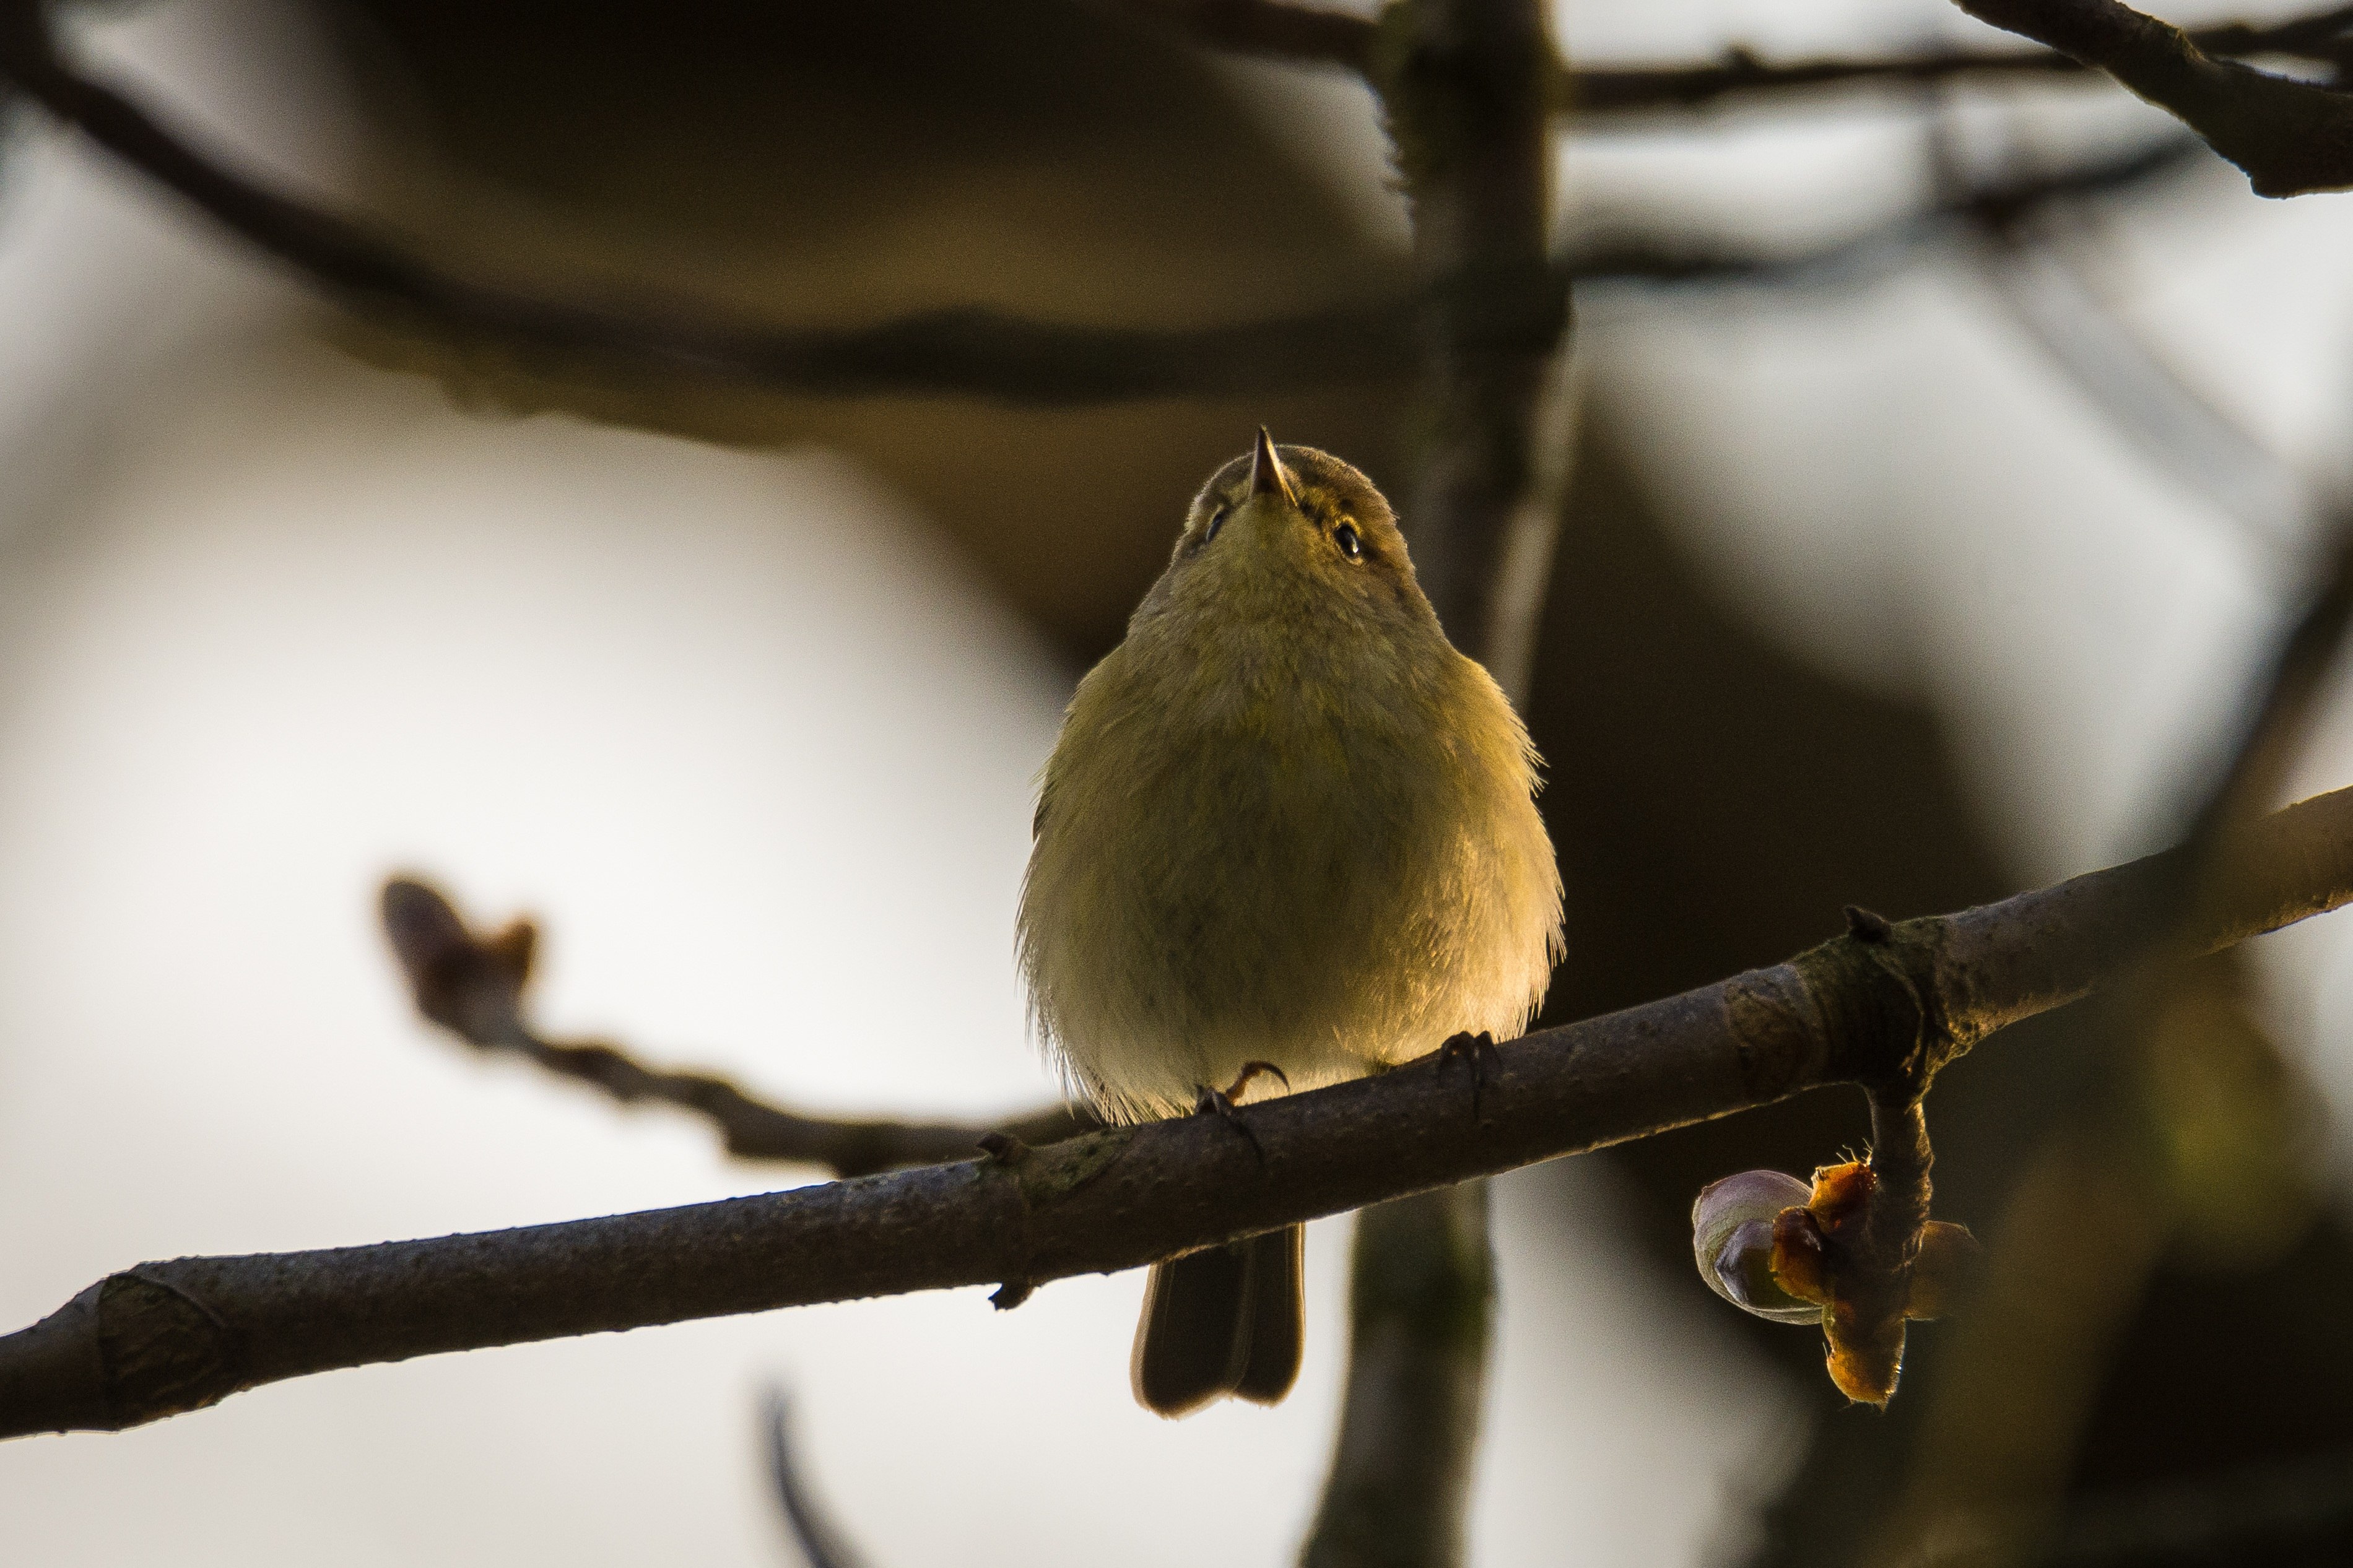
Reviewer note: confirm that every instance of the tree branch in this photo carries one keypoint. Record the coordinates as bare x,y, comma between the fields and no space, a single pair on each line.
1871,1295
2291,138
1308,35
1313,36
949,353
473,986
164,1338
1516,310
2318,37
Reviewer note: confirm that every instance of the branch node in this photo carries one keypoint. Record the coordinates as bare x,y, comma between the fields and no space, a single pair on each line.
1864,926
1881,1005
1004,1149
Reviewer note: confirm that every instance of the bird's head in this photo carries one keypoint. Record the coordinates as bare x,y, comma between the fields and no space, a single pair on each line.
1282,532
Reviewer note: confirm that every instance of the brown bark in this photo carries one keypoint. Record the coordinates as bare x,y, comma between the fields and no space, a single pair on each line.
165,1338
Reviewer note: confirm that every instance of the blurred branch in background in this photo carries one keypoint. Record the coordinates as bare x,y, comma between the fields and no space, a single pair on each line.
165,1338
1464,89
2320,37
967,351
1313,36
2297,1511
820,1540
473,986
1307,34
1503,308
2190,1096
2043,282
2291,138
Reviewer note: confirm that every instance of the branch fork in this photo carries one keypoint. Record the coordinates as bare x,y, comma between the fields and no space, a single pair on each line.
1855,1250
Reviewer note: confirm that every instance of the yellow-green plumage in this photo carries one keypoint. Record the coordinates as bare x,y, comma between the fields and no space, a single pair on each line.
1286,821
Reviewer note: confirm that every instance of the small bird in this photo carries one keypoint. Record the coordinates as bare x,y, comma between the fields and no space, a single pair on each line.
1288,833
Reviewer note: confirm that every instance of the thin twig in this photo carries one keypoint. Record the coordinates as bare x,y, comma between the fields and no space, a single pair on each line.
164,1337
473,986
2319,37
820,1541
2290,137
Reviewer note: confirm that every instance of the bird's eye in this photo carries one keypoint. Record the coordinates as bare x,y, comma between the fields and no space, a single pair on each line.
1344,536
1216,522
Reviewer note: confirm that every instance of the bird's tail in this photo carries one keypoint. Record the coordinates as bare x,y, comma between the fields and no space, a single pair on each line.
1224,1320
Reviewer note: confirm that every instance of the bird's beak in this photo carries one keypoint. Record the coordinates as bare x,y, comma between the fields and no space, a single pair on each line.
1267,477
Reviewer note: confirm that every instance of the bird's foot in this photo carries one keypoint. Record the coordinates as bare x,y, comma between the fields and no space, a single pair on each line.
1233,1091
1208,1101
1479,1053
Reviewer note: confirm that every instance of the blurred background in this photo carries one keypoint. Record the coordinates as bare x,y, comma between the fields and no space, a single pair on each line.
1928,570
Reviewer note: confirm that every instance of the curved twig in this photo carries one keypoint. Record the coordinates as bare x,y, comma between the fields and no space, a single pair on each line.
821,1542
473,986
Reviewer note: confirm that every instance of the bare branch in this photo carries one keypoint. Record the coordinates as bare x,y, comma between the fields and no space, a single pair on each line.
1505,311
1308,35
2290,137
2319,37
473,985
164,1337
963,352
1313,36
1513,311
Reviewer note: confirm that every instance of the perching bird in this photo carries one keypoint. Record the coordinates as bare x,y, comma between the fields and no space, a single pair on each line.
1286,825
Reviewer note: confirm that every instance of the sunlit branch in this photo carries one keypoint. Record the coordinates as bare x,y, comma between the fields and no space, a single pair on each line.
168,1337
473,985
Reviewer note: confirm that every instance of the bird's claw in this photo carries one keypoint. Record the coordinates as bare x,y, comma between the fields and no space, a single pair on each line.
1233,1091
1481,1053
1207,1101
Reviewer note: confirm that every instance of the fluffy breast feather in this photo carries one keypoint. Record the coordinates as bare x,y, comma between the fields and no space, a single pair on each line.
1318,850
